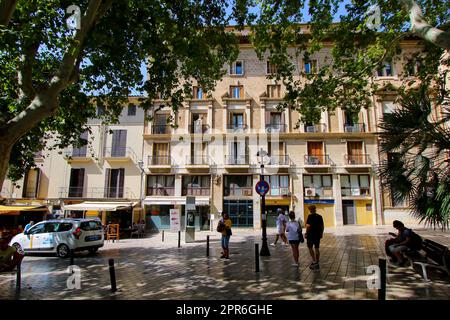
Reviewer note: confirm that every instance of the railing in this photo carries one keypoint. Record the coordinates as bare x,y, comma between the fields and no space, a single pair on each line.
282,160
197,191
198,128
235,191
76,153
161,129
318,192
160,191
355,191
279,191
237,127
357,159
120,152
198,160
237,160
276,127
159,160
323,159
96,193
356,127
320,127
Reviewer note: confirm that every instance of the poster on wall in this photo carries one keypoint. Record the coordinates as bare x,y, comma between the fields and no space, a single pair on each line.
175,220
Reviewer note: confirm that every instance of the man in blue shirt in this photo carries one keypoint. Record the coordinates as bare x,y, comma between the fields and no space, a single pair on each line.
28,226
406,240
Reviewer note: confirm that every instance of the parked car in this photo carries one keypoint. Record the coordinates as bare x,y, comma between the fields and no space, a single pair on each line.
61,236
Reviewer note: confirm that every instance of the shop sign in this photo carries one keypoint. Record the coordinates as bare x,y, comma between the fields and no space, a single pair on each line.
319,201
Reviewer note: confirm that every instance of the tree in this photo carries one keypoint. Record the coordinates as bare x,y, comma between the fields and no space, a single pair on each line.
359,47
54,74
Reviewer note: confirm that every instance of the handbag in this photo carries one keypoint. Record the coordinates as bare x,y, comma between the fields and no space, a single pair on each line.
220,227
300,233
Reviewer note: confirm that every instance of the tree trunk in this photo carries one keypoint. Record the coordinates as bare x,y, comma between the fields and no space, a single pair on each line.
5,152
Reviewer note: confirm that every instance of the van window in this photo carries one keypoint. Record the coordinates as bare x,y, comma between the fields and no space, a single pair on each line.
51,227
90,225
40,228
64,227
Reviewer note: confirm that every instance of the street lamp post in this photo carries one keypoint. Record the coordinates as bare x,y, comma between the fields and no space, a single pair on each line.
264,248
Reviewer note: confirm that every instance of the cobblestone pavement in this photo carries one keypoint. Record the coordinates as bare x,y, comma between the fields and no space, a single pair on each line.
151,269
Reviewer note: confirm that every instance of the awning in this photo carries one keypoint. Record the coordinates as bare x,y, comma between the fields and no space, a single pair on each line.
199,201
99,206
15,210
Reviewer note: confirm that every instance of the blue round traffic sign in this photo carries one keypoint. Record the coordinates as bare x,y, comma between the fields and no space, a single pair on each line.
262,187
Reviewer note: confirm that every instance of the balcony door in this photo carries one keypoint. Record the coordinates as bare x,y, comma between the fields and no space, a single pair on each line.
355,152
31,183
315,152
76,183
81,151
161,154
160,126
198,122
237,120
237,152
119,143
114,182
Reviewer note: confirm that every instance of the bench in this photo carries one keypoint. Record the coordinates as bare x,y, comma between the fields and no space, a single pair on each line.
434,255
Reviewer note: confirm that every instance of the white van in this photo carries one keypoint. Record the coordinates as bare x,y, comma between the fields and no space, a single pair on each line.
61,236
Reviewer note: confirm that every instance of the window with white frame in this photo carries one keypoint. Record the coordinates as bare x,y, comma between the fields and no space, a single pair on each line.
279,185
318,185
386,69
388,107
355,185
237,68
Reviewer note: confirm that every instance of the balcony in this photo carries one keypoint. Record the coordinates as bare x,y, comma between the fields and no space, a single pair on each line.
197,191
357,160
77,155
317,128
237,191
96,193
317,160
355,191
237,160
276,127
163,161
161,129
318,191
356,127
280,160
160,191
199,129
232,128
120,154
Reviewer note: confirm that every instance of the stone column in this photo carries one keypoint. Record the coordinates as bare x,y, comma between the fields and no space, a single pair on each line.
338,200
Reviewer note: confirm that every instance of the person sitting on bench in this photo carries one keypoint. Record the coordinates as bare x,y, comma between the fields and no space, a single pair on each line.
405,240
9,257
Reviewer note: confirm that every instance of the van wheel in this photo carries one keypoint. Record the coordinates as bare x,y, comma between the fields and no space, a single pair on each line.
18,248
62,251
93,250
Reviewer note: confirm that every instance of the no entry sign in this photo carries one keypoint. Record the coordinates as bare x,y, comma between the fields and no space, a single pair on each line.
262,187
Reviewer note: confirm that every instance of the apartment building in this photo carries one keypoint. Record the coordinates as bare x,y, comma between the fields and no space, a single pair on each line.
211,154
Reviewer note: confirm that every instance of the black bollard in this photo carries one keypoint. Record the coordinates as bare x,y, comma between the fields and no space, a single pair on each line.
163,236
256,257
112,275
71,257
19,277
179,239
382,289
207,246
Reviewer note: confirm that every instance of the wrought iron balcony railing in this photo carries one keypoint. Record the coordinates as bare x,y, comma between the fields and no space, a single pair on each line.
193,128
279,160
237,160
160,191
160,160
318,160
161,129
96,193
360,159
276,127
196,191
356,127
198,160
320,127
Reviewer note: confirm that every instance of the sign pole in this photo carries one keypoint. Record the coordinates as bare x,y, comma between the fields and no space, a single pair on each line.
264,248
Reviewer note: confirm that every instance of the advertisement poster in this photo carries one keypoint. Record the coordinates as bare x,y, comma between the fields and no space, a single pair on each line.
175,220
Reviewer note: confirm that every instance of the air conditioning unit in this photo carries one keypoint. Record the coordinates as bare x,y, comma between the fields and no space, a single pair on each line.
310,192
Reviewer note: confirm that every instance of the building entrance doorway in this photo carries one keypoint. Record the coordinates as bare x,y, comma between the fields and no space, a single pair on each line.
349,212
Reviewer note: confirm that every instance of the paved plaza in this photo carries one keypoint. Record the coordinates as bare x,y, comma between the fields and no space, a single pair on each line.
151,269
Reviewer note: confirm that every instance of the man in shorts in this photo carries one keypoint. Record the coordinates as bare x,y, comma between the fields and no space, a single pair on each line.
405,240
314,232
281,228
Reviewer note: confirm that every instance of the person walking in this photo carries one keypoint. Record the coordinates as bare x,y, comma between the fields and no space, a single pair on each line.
314,232
295,236
225,228
281,228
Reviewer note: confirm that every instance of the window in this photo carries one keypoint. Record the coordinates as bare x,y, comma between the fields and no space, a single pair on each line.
274,91
318,185
237,68
198,93
237,92
388,107
279,185
64,227
271,68
161,154
160,125
40,228
386,69
132,110
237,185
355,185
31,183
81,151
412,67
196,185
160,185
91,225
76,183
114,182
119,143
100,110
310,66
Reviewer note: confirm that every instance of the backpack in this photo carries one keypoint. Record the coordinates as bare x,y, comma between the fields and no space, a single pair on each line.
416,241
